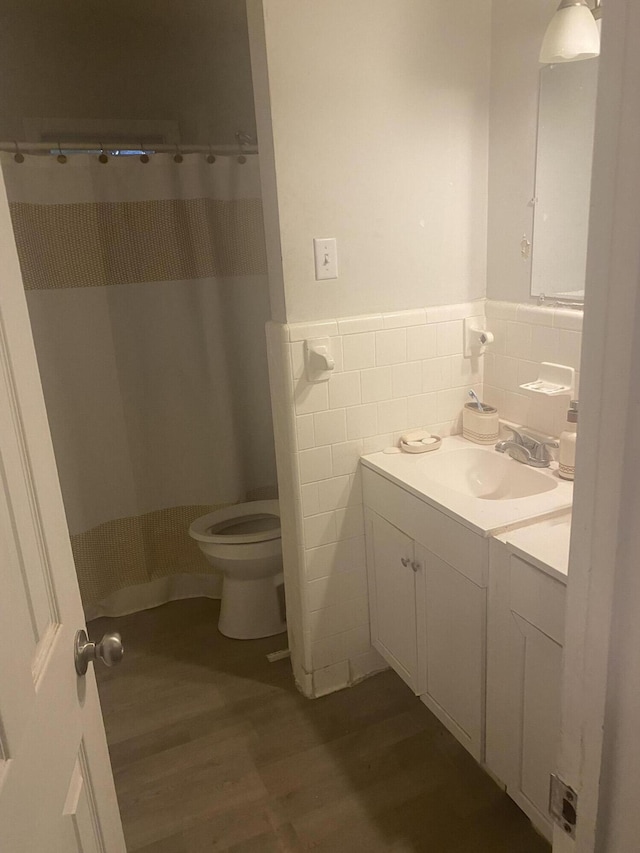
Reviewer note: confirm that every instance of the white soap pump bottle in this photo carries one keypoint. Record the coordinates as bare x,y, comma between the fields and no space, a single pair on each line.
568,438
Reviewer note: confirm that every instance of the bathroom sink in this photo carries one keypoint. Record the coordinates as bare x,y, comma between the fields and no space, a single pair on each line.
485,475
484,489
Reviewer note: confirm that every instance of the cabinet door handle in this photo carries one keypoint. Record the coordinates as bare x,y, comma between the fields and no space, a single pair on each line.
405,561
415,565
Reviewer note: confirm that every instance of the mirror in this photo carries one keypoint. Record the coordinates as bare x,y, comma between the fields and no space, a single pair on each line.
566,118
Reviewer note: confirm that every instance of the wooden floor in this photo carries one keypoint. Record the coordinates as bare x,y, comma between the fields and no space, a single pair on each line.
214,749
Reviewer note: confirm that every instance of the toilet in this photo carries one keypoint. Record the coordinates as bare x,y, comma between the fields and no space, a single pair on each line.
243,543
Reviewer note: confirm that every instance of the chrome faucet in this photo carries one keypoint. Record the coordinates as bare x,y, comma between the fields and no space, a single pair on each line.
519,439
527,450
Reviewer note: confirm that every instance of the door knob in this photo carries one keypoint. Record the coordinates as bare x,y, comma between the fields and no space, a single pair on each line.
405,561
109,650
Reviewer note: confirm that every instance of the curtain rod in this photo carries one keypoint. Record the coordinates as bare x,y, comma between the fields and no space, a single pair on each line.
128,145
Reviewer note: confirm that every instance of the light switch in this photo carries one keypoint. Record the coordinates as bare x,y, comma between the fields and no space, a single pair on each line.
326,257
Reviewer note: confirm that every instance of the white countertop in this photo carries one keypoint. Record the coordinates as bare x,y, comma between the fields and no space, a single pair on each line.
487,517
544,543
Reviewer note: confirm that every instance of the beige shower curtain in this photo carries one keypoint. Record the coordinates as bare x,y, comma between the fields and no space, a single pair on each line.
147,292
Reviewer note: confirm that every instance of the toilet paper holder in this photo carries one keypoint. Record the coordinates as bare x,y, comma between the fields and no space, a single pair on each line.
476,338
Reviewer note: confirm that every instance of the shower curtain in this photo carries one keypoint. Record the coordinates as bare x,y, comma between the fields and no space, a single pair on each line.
147,292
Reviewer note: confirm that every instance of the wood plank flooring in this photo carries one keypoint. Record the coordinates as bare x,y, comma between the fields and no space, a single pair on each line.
213,749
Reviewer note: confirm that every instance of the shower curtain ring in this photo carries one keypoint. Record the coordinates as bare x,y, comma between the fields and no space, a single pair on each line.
102,157
18,156
144,157
211,156
61,158
177,157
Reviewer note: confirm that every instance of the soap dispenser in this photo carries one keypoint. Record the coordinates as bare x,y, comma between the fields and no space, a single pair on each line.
568,438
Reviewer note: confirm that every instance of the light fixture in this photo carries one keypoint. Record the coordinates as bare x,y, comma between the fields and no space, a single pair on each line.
573,33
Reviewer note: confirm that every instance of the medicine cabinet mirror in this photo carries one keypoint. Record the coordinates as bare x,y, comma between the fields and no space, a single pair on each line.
564,156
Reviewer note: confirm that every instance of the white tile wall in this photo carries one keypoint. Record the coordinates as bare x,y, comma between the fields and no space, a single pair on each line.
354,325
526,335
359,351
305,432
449,337
391,346
330,427
393,372
422,342
375,384
311,398
343,390
362,421
314,464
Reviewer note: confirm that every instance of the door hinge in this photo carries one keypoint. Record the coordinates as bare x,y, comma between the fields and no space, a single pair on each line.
563,805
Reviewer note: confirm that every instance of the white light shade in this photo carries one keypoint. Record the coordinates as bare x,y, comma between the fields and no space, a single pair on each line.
572,35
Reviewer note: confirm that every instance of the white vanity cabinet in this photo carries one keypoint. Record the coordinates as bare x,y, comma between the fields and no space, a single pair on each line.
427,599
524,668
474,624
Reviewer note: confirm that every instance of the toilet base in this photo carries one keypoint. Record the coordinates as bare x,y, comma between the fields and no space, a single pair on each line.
251,609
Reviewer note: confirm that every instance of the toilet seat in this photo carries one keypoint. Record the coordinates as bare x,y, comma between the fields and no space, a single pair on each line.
260,521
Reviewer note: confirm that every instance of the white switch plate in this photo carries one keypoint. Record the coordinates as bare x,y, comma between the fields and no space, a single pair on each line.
325,252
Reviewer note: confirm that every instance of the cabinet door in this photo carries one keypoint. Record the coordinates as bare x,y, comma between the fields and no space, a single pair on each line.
392,597
455,660
526,628
540,671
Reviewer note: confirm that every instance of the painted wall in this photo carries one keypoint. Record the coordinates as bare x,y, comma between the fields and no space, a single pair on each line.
384,146
379,122
152,59
517,31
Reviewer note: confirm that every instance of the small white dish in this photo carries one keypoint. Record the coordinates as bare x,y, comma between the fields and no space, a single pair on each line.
419,441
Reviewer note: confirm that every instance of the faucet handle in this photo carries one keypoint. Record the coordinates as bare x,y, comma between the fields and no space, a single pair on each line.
541,454
518,452
517,436
523,440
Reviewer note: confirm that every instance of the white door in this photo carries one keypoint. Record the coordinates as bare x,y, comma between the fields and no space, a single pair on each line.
56,788
600,750
392,597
